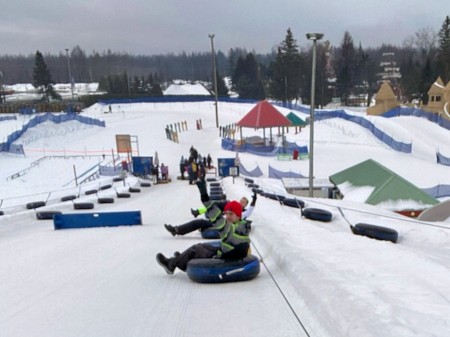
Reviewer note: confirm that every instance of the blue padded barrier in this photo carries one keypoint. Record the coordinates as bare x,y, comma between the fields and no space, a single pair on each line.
102,219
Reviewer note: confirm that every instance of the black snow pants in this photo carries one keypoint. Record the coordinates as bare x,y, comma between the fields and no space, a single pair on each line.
194,225
198,251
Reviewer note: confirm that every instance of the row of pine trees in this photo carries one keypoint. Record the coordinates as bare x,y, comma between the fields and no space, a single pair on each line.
284,74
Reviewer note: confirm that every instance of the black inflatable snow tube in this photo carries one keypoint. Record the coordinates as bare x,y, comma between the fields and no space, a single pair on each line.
36,204
215,184
105,200
248,180
83,205
375,232
217,197
46,215
89,192
317,214
220,271
123,195
253,186
293,202
134,190
68,198
274,196
257,191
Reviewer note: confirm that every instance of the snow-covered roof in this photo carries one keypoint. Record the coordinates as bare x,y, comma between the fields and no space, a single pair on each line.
187,89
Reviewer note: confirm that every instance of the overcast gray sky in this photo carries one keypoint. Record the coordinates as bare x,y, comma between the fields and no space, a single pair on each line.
172,26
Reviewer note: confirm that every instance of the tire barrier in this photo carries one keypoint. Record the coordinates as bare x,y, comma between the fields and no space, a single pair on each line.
210,233
83,205
258,191
105,187
134,190
215,184
89,192
293,202
317,214
375,232
275,196
36,204
46,215
220,271
103,219
123,195
105,200
145,184
68,198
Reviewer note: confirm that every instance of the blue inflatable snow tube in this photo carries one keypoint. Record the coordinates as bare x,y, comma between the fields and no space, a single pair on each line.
221,271
210,233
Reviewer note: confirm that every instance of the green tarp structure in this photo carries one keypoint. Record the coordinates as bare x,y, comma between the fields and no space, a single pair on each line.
387,185
295,120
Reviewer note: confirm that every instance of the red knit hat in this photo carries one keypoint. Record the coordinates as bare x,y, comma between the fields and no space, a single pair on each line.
235,207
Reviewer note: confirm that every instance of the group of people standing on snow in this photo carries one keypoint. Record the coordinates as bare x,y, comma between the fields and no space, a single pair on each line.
195,165
229,218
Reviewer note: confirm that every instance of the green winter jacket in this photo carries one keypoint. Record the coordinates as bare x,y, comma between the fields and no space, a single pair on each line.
235,242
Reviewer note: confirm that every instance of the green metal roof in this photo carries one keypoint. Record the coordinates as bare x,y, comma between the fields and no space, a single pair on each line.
387,185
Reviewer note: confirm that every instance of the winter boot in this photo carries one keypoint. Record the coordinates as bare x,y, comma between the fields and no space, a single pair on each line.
173,230
195,212
165,263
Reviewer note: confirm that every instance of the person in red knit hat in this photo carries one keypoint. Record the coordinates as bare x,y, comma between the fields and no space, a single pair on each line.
234,243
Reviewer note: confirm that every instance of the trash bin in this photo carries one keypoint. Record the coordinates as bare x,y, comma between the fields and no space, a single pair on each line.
124,165
295,154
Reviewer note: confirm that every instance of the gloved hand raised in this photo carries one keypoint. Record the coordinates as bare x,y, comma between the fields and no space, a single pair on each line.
253,199
195,212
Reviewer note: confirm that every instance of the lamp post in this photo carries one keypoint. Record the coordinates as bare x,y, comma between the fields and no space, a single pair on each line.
70,72
313,37
211,36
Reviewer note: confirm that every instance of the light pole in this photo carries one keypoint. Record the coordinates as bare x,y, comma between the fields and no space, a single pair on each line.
314,37
211,36
70,72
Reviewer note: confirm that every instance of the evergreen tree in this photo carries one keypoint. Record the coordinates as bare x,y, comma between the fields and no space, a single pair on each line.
156,90
427,78
409,83
346,69
222,90
103,84
246,78
444,51
286,70
136,86
42,78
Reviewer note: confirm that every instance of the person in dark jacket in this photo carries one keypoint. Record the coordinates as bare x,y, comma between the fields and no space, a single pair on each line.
208,161
234,243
